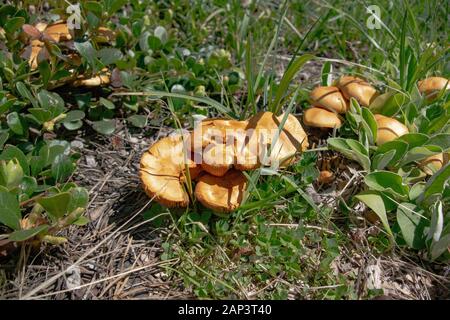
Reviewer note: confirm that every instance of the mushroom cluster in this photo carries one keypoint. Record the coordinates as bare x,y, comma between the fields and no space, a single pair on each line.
330,101
215,154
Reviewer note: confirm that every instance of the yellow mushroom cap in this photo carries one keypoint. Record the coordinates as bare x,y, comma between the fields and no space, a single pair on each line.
389,129
213,130
431,86
221,194
58,32
321,118
357,88
433,163
330,98
162,171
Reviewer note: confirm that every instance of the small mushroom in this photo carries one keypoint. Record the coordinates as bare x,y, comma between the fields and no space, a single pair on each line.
325,177
104,77
321,118
388,129
221,194
430,87
357,88
433,163
162,171
330,98
58,32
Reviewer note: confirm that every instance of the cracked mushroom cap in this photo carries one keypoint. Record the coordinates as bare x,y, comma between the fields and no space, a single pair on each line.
433,163
291,138
430,87
330,98
162,171
388,129
58,32
221,194
357,88
321,118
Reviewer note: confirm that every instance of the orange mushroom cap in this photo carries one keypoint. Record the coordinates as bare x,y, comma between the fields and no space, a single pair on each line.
162,171
431,86
388,129
357,88
433,163
221,194
330,98
321,118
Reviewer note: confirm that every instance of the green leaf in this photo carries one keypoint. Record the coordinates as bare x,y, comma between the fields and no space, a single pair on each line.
381,161
62,168
3,138
14,24
11,174
109,55
112,6
287,79
56,205
28,185
441,140
154,43
435,185
12,152
416,190
138,120
400,148
107,104
106,127
93,7
351,149
81,221
45,71
74,115
24,92
22,235
79,198
387,181
369,124
88,52
10,214
327,74
438,248
376,202
412,225
15,123
414,139
40,114
161,33
419,153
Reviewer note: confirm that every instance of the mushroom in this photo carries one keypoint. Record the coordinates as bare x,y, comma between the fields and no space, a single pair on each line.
162,171
430,87
284,143
329,98
218,158
433,163
357,88
388,129
221,194
325,177
58,32
104,77
321,118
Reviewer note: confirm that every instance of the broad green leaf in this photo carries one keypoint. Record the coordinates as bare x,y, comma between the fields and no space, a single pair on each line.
62,168
107,104
441,140
40,114
376,202
412,225
138,120
45,71
79,198
22,235
381,161
435,185
414,139
419,153
161,33
355,151
12,152
56,205
387,181
14,24
24,92
416,190
74,115
106,127
9,210
88,52
3,138
369,124
28,185
438,248
437,222
400,148
15,123
109,55
81,221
